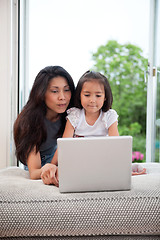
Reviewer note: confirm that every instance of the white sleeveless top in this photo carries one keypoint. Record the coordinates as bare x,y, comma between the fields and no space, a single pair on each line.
76,117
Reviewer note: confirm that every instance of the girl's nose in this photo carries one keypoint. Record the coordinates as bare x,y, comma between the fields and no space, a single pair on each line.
92,99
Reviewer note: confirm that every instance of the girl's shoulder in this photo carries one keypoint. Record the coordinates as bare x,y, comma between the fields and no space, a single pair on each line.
74,115
110,112
109,117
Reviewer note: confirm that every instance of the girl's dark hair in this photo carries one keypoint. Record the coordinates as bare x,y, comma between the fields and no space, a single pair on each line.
29,128
92,76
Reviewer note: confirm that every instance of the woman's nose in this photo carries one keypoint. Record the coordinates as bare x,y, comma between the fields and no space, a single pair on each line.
61,95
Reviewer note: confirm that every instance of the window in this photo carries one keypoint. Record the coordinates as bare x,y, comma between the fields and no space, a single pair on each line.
153,91
68,32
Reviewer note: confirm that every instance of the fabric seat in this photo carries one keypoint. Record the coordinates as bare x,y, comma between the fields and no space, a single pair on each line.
31,210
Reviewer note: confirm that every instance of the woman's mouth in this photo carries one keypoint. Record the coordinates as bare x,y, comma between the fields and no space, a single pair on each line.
62,105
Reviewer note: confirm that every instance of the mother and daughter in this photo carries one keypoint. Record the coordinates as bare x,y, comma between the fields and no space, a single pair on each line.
43,118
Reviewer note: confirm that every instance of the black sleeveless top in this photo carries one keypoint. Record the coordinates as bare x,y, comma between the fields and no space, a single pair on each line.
53,128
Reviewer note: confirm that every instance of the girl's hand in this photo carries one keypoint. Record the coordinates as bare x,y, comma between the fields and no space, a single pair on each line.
49,174
139,173
137,169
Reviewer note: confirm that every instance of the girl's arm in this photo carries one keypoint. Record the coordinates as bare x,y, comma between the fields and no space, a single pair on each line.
113,130
69,130
68,133
55,158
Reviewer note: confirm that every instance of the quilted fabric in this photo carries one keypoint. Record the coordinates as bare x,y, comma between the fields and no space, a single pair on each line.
108,237
28,208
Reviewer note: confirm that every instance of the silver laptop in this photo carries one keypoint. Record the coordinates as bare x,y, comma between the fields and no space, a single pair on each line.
94,164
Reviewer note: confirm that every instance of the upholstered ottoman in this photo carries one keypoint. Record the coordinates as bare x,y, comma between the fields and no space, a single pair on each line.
31,210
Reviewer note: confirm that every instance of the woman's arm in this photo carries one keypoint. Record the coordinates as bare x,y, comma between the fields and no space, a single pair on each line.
113,129
50,173
34,165
36,171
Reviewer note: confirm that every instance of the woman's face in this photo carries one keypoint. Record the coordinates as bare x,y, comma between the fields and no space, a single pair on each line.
57,97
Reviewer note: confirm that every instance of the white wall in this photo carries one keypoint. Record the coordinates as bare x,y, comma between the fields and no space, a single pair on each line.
8,78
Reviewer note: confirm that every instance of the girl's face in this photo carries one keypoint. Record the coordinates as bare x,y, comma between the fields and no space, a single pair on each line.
92,96
57,97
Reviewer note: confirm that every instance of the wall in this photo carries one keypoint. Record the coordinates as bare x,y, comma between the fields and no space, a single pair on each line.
8,78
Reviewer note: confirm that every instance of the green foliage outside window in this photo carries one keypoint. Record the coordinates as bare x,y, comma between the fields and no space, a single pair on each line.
124,66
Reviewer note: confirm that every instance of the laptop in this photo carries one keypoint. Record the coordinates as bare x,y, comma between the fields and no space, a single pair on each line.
94,164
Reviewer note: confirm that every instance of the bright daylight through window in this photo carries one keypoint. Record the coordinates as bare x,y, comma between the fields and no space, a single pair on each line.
81,35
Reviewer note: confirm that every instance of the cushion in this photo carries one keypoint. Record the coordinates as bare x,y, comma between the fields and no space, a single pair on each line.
28,208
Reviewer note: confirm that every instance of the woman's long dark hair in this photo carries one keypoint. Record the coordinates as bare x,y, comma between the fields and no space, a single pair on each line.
29,128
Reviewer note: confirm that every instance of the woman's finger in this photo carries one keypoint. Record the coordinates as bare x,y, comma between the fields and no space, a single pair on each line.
57,175
52,175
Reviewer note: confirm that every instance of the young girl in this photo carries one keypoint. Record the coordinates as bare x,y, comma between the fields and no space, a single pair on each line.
92,115
42,121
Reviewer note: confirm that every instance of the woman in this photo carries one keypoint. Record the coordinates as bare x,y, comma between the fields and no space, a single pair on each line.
42,121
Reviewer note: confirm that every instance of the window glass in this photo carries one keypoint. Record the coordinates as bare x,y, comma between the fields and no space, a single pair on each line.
68,32
157,64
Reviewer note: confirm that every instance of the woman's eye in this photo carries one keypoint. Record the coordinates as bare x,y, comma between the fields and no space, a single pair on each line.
67,90
86,95
54,91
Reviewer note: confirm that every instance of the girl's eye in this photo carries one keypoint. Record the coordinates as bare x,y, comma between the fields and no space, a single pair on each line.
98,96
86,95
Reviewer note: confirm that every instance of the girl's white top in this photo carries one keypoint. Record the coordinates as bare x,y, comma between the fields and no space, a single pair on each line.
83,129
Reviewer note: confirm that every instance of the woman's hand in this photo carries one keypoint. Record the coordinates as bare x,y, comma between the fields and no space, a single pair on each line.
49,174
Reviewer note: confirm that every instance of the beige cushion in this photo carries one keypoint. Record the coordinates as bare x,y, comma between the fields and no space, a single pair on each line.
30,208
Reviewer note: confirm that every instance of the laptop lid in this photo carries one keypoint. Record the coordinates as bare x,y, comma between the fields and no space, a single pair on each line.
94,164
